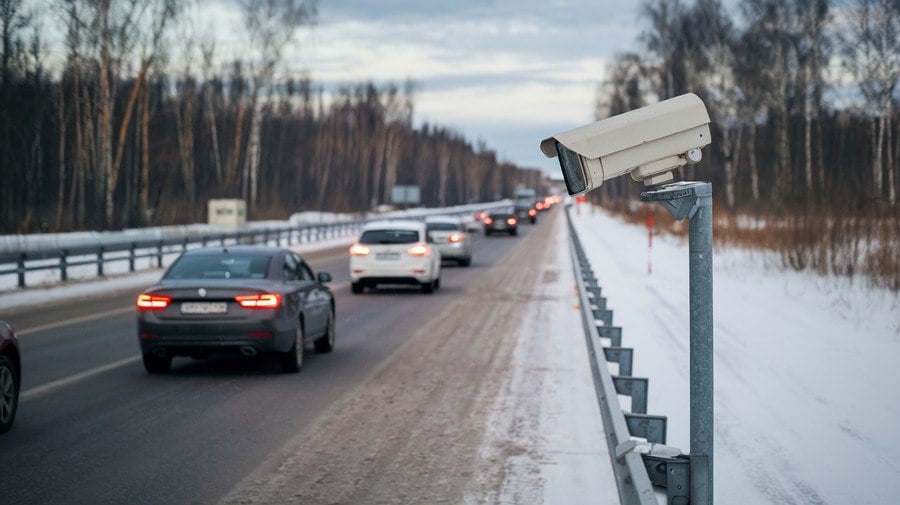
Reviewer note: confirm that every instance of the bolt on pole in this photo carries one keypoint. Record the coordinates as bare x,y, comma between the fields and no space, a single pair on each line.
693,200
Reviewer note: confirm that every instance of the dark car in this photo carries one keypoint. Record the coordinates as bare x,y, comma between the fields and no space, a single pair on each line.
10,376
503,219
242,299
524,212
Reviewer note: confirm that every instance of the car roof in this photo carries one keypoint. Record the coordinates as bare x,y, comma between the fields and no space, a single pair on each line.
395,225
237,249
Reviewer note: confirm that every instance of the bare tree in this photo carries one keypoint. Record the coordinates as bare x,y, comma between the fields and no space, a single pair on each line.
661,39
870,44
271,25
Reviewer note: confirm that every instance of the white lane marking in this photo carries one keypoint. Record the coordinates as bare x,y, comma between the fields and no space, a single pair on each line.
76,320
61,383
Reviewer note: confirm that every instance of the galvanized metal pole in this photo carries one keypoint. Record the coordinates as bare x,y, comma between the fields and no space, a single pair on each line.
693,200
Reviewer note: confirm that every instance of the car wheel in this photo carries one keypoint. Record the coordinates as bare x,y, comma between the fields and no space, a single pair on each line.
513,232
465,262
325,343
428,287
156,364
437,283
9,394
292,361
356,287
487,233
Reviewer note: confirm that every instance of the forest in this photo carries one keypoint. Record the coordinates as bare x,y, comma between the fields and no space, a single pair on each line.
120,135
802,94
136,119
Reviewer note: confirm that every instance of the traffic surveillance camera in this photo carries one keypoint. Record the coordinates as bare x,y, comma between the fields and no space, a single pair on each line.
648,143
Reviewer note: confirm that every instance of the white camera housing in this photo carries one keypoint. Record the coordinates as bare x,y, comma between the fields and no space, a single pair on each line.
648,143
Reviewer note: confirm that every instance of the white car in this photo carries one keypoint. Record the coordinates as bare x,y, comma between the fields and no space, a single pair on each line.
450,236
394,252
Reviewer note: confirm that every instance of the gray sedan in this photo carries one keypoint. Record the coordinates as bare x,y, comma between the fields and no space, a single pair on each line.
240,299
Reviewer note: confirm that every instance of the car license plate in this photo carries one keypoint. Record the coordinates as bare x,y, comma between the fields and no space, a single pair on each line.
387,256
204,308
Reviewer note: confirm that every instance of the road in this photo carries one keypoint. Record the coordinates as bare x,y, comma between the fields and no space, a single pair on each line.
395,414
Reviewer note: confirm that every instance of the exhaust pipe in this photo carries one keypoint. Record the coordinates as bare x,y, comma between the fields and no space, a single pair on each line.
248,351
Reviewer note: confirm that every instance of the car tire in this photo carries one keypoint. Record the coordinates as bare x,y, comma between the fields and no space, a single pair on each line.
325,343
487,233
155,364
428,287
9,393
292,361
356,287
465,262
513,233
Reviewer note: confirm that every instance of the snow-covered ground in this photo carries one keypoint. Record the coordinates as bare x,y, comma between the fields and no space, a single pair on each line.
807,402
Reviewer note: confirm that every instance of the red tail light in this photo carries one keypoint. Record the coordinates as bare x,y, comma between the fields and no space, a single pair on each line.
539,206
153,302
488,220
419,250
261,301
359,250
456,237
532,212
511,221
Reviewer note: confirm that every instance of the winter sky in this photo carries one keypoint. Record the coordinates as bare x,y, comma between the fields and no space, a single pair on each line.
506,72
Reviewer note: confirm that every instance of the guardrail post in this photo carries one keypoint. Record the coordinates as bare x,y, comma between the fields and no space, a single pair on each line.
159,254
20,271
63,266
613,333
653,428
636,388
693,200
100,262
624,356
131,257
604,315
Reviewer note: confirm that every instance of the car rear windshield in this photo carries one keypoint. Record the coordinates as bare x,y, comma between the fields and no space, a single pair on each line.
219,266
443,227
389,237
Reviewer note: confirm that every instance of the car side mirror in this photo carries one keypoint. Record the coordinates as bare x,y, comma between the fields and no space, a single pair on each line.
323,277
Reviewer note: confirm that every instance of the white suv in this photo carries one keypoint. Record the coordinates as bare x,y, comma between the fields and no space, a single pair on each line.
394,252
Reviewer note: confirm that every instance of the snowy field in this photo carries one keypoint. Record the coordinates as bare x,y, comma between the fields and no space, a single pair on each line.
807,403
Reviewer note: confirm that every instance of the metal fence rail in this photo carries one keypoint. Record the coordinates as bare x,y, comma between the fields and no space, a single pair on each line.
636,440
102,255
127,250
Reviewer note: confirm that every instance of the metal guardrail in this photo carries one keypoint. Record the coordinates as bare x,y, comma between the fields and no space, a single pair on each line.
636,440
129,251
63,259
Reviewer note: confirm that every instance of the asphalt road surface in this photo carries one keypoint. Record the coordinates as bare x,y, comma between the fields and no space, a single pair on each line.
394,415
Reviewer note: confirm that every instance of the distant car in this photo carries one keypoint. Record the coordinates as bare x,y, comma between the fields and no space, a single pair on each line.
241,299
526,213
394,252
10,376
451,237
472,223
503,219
